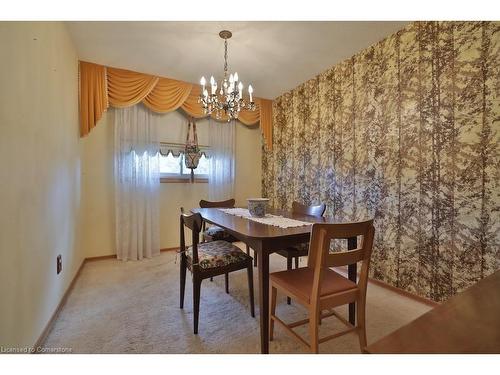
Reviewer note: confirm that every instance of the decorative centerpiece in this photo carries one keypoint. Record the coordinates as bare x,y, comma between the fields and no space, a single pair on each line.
257,206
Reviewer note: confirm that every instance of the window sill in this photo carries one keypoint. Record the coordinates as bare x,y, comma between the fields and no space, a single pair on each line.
177,180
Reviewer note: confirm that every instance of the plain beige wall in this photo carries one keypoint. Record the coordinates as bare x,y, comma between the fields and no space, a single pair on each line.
98,224
248,178
39,175
97,171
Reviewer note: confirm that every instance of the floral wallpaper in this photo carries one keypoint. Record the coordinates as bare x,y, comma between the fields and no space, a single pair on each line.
406,131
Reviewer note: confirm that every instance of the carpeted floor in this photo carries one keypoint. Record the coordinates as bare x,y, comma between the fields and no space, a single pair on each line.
133,307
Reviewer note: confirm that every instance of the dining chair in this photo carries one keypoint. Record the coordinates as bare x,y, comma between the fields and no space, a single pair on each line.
217,233
214,233
208,259
302,249
319,288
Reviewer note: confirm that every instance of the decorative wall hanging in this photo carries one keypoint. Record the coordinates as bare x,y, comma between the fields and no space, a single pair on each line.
192,152
406,131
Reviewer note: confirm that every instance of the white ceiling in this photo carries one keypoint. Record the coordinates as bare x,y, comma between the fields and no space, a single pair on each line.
273,56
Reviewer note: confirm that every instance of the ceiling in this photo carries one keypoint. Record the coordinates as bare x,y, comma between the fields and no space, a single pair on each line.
273,56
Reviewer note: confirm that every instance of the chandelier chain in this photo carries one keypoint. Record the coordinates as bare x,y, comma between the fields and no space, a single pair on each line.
225,58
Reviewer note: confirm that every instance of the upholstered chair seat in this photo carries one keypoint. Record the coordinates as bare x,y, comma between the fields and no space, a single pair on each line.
215,233
215,254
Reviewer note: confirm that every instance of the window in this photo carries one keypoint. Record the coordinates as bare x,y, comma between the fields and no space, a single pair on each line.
173,169
170,164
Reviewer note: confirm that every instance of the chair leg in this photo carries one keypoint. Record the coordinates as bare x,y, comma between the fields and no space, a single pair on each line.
360,315
196,304
296,262
227,282
211,279
250,289
254,255
272,311
288,267
313,329
183,281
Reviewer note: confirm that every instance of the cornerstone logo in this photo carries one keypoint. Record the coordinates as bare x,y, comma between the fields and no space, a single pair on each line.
32,350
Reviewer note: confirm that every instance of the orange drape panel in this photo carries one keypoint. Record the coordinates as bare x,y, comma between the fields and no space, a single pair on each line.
126,88
266,121
168,95
191,105
250,117
93,99
123,88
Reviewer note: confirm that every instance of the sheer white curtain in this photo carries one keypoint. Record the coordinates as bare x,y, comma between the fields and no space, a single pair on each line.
222,145
137,183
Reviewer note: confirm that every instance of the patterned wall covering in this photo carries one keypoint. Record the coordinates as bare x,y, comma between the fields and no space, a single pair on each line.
407,131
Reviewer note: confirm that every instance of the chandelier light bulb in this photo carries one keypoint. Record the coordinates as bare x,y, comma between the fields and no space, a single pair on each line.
240,89
203,81
236,76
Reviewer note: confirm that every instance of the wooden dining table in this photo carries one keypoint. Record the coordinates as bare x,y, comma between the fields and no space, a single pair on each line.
468,322
264,240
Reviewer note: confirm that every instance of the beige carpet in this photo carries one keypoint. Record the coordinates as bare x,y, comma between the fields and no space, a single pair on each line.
133,307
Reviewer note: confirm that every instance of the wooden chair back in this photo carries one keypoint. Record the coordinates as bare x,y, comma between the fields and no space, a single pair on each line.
216,204
319,250
299,208
193,222
220,204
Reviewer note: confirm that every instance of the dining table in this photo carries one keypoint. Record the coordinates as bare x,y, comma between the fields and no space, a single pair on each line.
265,239
469,322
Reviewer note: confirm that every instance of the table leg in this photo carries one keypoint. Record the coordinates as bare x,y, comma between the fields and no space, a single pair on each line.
263,267
352,271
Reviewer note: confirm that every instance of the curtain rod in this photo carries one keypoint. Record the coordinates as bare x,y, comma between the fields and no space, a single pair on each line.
180,144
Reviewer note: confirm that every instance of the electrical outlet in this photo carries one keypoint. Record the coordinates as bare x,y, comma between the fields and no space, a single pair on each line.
59,264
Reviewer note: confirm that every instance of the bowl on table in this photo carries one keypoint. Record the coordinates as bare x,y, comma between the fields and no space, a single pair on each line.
257,206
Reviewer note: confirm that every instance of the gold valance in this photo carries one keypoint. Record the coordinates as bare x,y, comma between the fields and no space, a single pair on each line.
102,86
93,95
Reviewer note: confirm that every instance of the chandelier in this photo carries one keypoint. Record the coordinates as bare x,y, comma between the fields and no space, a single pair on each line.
227,97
